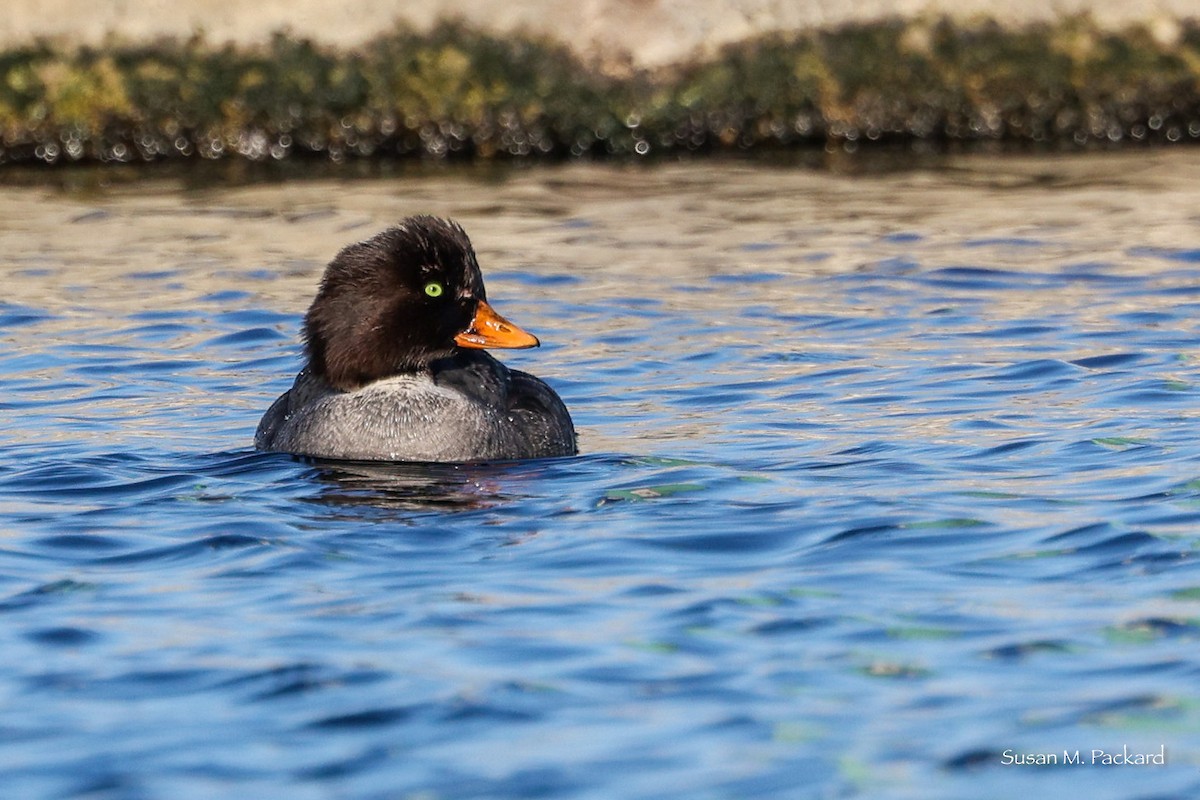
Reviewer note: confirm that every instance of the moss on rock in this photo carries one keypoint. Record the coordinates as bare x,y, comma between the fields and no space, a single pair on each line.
456,91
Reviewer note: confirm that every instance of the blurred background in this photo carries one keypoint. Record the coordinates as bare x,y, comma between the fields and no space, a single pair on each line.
646,32
129,81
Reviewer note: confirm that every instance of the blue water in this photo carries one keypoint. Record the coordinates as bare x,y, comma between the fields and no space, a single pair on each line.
874,488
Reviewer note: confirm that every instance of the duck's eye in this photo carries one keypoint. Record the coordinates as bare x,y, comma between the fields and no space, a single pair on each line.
434,289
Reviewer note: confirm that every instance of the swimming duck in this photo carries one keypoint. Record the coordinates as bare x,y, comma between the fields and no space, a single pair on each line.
396,369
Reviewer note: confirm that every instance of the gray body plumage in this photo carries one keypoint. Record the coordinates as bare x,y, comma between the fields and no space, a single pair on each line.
466,408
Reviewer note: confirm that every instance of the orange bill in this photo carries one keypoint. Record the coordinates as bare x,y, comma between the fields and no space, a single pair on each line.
489,329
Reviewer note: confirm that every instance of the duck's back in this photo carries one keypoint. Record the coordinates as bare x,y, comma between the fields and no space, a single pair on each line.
468,408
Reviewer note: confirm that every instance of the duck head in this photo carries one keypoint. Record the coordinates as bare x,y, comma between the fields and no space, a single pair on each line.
400,300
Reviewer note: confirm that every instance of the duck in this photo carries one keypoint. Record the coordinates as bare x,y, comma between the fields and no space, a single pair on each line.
397,368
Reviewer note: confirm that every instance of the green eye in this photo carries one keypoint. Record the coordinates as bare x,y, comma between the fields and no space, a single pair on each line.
434,289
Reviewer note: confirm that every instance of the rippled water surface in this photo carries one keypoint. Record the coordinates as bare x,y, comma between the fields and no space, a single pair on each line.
885,472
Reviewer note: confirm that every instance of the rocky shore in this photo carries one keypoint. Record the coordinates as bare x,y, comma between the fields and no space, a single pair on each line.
464,90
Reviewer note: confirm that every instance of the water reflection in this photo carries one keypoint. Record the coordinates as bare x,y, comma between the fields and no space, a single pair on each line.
414,487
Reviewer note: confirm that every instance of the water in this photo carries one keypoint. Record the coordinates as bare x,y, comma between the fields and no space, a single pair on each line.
885,471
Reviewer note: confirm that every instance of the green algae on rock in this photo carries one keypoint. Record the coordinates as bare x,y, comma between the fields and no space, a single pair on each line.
456,91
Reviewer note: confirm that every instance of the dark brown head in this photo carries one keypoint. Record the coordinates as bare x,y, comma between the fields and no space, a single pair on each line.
400,300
